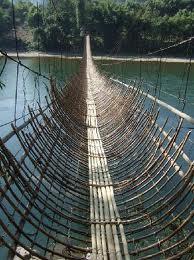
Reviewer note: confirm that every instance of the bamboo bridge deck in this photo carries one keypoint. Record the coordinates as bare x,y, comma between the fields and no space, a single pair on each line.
96,177
103,207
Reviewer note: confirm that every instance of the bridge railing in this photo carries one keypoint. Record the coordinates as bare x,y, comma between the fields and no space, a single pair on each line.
160,102
173,111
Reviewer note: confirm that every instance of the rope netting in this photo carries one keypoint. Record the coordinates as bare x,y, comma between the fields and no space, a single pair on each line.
100,168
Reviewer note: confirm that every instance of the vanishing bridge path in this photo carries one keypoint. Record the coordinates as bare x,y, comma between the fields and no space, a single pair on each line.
97,176
102,206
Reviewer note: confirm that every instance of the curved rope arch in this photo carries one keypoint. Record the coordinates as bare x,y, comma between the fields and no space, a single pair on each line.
98,176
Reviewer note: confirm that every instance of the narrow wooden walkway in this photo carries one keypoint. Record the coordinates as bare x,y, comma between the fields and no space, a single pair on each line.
106,242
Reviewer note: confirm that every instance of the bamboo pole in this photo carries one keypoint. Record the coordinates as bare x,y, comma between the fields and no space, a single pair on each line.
160,102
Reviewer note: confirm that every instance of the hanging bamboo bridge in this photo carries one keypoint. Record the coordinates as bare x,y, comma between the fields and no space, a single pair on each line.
97,176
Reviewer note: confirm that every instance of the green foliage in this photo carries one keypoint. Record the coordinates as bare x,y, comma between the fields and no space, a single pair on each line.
5,16
22,9
35,17
127,26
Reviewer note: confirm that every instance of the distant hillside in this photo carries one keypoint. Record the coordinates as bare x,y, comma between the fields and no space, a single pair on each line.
115,25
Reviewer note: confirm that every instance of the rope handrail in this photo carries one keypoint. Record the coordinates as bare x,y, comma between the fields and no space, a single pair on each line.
161,103
4,53
146,56
8,136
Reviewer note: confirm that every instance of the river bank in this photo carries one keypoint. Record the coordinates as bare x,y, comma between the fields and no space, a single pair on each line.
117,59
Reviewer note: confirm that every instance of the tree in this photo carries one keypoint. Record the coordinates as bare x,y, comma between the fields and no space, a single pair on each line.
5,16
22,9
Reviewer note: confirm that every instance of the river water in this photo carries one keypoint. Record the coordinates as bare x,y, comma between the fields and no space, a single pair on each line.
172,79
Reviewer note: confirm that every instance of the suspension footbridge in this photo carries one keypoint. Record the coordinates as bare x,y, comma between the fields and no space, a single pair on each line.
97,176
